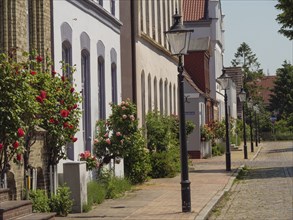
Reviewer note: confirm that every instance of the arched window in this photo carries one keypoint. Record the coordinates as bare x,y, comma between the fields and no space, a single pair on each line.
149,93
161,97
101,85
175,100
114,83
170,95
155,94
67,59
143,98
86,105
166,97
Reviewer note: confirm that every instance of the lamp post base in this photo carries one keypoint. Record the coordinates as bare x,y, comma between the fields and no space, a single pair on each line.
185,194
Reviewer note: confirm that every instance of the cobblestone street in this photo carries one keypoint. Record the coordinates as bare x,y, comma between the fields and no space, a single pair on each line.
266,192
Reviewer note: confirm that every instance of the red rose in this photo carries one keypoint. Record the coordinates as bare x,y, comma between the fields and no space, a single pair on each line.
74,139
15,145
63,78
20,132
61,102
64,113
70,126
39,59
33,73
53,73
52,120
72,90
75,106
39,99
18,157
1,146
65,125
43,94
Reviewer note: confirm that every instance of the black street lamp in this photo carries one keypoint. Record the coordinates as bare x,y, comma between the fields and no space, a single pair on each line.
178,37
223,80
250,106
256,111
242,97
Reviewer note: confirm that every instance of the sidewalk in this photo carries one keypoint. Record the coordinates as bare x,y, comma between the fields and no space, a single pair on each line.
160,199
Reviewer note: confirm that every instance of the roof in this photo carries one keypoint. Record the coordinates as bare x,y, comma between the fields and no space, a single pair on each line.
266,84
194,10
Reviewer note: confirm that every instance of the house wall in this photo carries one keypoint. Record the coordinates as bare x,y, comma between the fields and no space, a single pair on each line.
87,25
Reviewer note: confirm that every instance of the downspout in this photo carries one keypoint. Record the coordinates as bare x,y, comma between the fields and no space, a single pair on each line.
52,34
133,50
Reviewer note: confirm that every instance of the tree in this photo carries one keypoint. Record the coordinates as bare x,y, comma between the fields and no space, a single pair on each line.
245,58
282,94
285,18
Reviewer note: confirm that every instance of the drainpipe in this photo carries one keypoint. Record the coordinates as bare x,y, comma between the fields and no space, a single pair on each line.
52,34
133,49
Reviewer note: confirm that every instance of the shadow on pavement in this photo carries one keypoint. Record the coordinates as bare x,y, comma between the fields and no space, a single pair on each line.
289,149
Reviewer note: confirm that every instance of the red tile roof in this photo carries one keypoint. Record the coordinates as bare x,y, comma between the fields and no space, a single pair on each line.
266,84
194,10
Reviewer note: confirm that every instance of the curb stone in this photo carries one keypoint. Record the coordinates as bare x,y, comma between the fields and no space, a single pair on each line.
205,212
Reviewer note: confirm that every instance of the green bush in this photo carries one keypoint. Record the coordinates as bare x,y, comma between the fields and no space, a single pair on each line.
40,200
218,149
165,163
61,202
96,193
137,162
116,187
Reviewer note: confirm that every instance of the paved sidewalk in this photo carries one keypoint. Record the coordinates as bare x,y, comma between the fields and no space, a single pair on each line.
160,199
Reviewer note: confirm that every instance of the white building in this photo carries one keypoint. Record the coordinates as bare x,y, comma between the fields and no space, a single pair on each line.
87,35
148,69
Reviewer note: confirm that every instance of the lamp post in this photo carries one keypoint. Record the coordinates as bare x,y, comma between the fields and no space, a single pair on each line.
242,97
256,110
250,105
178,37
223,80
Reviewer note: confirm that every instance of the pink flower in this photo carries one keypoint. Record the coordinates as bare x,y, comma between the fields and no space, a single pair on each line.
18,157
118,134
123,108
124,116
108,141
81,155
15,145
20,132
132,117
39,59
64,113
96,141
1,146
39,99
43,94
106,135
122,103
87,154
121,142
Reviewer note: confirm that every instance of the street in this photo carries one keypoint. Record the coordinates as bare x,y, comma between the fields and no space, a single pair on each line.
266,191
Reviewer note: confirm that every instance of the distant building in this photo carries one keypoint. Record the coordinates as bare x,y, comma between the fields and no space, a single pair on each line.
266,84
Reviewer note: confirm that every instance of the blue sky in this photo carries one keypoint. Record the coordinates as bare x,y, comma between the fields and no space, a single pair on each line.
253,22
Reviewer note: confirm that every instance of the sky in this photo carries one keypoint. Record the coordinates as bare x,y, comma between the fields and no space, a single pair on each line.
253,22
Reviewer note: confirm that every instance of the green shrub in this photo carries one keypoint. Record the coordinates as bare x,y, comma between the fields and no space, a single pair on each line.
165,163
218,149
61,202
40,200
96,193
116,187
137,162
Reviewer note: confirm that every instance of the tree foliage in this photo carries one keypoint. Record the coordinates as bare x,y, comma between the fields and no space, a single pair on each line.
285,18
32,95
282,97
247,60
